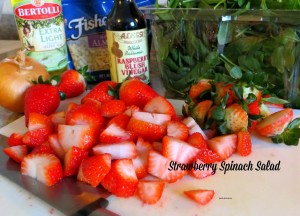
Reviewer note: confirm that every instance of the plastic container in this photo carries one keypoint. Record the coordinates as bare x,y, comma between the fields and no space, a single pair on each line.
257,46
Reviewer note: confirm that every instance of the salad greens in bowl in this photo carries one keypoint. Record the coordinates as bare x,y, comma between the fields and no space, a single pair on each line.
254,43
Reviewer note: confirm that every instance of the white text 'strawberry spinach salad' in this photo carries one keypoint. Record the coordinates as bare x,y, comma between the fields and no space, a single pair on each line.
129,139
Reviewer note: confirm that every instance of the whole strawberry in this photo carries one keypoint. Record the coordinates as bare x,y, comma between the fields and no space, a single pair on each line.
72,83
41,98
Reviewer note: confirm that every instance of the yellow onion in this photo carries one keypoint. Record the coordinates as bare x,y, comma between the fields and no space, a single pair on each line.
16,76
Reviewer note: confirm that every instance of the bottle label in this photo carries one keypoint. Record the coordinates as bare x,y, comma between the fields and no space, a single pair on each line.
41,30
129,57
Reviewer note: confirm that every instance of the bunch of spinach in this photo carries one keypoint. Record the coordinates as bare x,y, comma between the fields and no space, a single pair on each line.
258,53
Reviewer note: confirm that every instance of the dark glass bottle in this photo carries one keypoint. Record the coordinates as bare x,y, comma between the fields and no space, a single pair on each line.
127,40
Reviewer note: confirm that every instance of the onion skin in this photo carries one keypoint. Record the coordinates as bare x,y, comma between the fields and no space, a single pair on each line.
15,80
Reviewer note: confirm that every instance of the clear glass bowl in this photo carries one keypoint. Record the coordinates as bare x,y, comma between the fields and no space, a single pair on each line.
260,47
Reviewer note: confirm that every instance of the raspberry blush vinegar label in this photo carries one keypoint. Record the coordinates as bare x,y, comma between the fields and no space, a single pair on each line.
129,56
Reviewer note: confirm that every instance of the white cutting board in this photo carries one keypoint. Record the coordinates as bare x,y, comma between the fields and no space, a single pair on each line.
236,192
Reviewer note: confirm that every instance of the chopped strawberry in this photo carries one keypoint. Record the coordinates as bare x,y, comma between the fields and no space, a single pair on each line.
178,150
17,153
15,139
84,115
121,179
112,108
120,150
197,140
210,133
160,105
140,163
207,156
252,126
43,148
135,92
157,146
200,111
82,136
103,91
132,109
199,90
44,167
150,192
201,173
93,169
178,130
73,159
72,83
121,120
58,118
92,102
275,123
151,127
193,126
200,196
37,121
56,146
244,144
223,146
236,118
160,166
113,134
36,137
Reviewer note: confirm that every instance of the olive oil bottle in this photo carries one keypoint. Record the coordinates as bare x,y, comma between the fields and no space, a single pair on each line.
127,40
41,30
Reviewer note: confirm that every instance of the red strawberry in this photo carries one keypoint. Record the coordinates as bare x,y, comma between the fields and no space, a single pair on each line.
37,121
157,146
132,109
17,153
275,123
121,179
150,192
200,196
244,145
93,169
113,134
72,83
207,156
151,127
221,90
43,148
135,92
177,150
73,159
177,130
140,163
161,167
92,102
56,146
253,108
201,173
82,136
58,118
223,146
103,91
120,120
125,149
236,118
197,140
161,105
199,89
84,115
46,168
15,139
193,126
41,98
200,111
252,126
36,137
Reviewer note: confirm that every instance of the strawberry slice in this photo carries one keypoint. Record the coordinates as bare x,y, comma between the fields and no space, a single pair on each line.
44,167
58,118
159,166
197,140
140,163
125,149
178,150
36,137
150,192
93,169
177,130
275,123
121,180
160,105
73,159
201,173
15,139
132,109
56,146
17,153
121,120
208,156
113,134
43,148
193,126
244,144
223,146
200,196
37,121
82,136
112,108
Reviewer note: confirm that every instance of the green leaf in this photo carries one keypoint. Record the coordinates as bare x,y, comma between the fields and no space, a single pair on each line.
294,124
236,72
238,90
218,113
275,100
277,139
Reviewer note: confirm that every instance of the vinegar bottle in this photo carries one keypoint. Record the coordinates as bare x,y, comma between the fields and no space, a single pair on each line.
127,40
